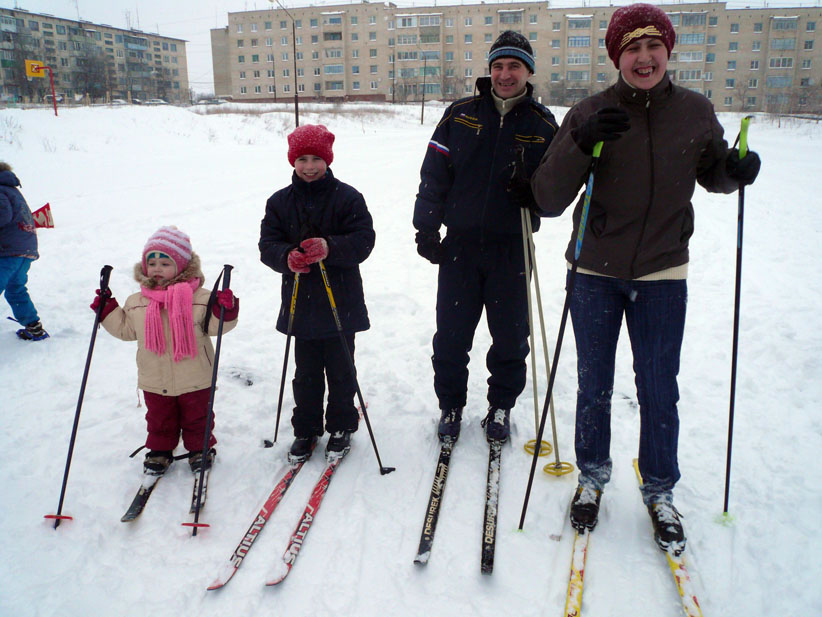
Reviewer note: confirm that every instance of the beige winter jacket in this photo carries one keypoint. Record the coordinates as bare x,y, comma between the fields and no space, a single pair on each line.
160,374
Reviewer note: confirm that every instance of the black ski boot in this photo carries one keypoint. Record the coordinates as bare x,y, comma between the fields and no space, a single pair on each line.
497,424
33,332
157,462
301,449
449,428
195,460
585,508
339,443
668,531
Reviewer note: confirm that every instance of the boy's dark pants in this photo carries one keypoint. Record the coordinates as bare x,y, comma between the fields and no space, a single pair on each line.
317,360
475,275
168,416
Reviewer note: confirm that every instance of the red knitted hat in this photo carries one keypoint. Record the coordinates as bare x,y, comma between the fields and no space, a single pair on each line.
638,21
311,139
171,242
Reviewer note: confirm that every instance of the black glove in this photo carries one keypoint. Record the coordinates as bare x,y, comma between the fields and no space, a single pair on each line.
743,170
607,124
428,245
519,186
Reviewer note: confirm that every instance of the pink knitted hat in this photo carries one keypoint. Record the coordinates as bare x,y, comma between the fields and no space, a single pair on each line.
171,242
311,139
638,21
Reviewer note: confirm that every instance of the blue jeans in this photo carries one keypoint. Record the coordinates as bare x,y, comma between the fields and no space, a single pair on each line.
655,316
14,274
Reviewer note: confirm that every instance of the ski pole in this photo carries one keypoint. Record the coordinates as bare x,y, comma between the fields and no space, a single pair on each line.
287,347
383,470
586,204
743,150
105,294
557,468
226,276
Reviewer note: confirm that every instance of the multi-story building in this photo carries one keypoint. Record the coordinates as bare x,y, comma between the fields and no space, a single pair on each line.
90,62
741,59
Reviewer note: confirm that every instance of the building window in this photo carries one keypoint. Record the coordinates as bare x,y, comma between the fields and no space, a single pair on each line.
255,58
267,25
555,60
375,84
532,36
577,75
753,83
242,74
271,89
488,37
355,69
729,101
778,81
758,27
489,20
286,73
554,77
579,41
808,45
374,69
708,76
285,56
780,63
239,28
713,21
301,88
788,23
810,26
711,40
579,24
556,26
600,77
240,43
469,55
756,45
468,21
372,36
532,19
449,56
733,46
355,36
729,83
696,38
731,65
240,59
692,75
754,65
469,72
314,23
468,39
734,28
372,53
449,22
693,19
355,53
555,43
355,85
806,64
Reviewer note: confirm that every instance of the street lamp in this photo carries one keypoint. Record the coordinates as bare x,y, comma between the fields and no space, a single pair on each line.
294,54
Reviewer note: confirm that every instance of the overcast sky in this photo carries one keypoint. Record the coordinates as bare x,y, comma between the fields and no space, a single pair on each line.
192,19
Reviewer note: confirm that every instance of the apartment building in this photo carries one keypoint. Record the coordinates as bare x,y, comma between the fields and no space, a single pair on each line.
90,62
741,59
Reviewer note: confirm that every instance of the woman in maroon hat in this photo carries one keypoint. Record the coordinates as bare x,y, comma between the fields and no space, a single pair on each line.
660,140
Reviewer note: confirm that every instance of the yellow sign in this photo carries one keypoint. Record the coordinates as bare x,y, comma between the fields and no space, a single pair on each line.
34,68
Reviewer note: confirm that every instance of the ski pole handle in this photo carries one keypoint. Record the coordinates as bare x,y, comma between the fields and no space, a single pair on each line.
743,136
105,274
226,276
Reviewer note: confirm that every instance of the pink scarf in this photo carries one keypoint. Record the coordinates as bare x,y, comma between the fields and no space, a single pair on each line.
178,299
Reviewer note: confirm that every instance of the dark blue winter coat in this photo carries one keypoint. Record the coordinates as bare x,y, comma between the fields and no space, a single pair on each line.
469,163
332,210
17,234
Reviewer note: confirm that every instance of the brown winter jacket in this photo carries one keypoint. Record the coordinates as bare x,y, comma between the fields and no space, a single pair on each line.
640,217
160,374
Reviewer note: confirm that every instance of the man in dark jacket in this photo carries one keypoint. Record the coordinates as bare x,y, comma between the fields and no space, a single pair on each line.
18,248
659,141
474,181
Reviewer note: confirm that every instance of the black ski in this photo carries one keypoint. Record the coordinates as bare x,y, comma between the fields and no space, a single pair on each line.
140,499
194,492
432,512
489,532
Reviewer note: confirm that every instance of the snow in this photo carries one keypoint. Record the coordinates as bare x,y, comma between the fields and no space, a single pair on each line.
114,175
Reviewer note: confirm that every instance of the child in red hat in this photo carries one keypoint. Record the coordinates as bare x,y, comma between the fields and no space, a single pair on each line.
167,318
659,141
315,219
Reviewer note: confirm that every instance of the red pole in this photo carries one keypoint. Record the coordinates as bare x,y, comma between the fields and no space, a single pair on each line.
53,94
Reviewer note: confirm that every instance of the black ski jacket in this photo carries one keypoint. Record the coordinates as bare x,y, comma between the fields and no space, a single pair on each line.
469,163
332,210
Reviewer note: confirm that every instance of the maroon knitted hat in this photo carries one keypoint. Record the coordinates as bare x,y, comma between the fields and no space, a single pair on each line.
634,22
311,139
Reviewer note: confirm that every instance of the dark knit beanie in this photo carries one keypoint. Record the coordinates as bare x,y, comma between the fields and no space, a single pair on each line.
311,139
638,21
512,44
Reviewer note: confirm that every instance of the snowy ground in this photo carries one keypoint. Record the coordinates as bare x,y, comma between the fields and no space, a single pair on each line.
113,175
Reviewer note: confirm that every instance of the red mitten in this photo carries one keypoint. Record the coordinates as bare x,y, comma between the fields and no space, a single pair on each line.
316,249
110,305
297,262
228,301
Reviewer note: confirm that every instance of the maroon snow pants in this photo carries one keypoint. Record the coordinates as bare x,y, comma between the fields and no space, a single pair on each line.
168,416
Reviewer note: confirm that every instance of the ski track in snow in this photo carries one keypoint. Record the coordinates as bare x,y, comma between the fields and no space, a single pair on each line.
114,175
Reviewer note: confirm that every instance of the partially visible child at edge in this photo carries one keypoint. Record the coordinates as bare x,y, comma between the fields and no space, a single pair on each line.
175,356
318,218
18,249
660,140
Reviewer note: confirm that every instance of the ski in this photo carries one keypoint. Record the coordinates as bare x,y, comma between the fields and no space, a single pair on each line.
432,512
573,600
679,570
489,534
140,499
283,568
193,508
239,554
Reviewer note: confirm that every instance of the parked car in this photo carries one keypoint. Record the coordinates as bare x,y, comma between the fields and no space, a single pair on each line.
156,102
136,101
119,102
212,102
49,97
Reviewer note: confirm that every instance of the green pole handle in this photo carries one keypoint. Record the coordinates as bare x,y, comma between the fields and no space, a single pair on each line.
598,147
743,137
